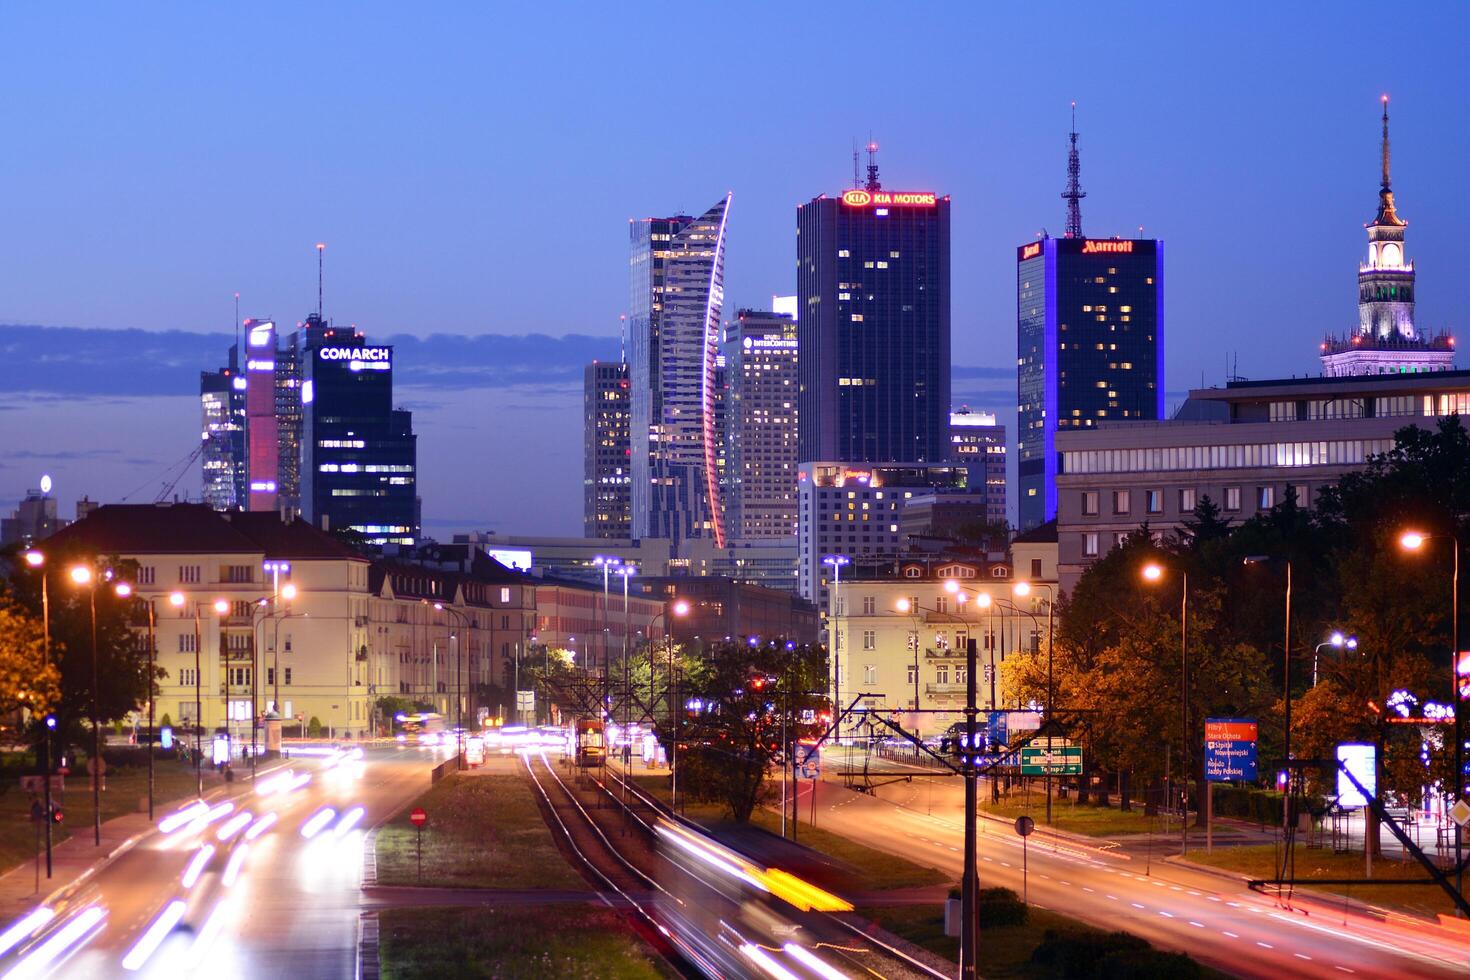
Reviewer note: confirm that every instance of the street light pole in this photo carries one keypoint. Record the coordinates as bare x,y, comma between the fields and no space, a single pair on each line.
1152,573
835,562
969,884
87,575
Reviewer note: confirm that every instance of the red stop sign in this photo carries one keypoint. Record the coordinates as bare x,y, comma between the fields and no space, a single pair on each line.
418,816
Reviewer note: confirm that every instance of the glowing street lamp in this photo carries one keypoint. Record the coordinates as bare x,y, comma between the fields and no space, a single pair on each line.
1153,573
81,574
1338,640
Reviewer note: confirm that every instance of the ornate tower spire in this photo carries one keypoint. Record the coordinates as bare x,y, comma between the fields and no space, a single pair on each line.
1074,193
1386,214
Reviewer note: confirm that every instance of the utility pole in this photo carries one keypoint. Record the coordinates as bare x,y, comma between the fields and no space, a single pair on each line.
969,883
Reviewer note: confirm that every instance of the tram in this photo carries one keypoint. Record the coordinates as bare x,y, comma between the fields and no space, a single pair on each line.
591,744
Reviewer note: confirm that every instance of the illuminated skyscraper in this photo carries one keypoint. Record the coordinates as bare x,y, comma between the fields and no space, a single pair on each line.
1090,343
760,426
606,474
677,269
873,284
262,433
977,441
222,460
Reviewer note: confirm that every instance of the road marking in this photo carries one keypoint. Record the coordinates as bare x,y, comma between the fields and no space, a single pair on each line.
1302,956
1005,864
1230,934
1197,925
1234,905
1167,915
1046,876
1194,893
1113,897
1344,969
1137,906
1175,888
1086,889
1212,898
1067,883
1264,945
956,849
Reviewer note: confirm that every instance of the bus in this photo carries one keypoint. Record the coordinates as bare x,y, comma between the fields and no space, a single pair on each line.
423,728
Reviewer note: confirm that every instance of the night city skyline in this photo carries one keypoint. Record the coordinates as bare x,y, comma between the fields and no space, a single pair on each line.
1185,142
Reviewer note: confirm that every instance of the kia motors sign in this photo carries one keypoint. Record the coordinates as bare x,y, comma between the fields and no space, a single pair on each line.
858,198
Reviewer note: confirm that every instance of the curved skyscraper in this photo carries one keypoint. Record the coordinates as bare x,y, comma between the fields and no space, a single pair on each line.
677,277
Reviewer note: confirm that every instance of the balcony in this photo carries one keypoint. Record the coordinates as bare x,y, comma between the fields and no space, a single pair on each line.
945,690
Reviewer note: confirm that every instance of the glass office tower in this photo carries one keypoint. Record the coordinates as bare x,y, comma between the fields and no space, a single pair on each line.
873,291
1090,349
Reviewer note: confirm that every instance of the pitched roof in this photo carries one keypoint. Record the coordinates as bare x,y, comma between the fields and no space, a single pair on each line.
1041,534
296,539
152,529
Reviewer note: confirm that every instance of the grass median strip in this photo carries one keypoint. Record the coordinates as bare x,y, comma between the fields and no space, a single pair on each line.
484,831
1262,860
512,943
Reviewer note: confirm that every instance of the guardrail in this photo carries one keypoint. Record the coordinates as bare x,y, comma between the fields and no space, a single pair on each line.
452,764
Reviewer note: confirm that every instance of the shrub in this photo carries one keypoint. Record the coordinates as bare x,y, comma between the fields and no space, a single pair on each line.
998,907
1069,954
1150,964
165,721
314,727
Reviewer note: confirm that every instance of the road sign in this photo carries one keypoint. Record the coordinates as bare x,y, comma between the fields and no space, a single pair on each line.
1359,760
525,700
1460,813
1025,825
418,816
1055,760
995,728
1230,749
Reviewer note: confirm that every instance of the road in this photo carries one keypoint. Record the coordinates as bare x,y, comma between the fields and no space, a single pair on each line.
1221,924
292,908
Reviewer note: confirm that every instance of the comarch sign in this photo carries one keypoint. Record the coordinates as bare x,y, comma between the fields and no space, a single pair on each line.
356,353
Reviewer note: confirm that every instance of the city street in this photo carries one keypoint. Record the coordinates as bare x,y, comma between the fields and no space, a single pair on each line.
292,906
1219,923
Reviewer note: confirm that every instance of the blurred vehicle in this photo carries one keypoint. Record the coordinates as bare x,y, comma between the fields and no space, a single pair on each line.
423,728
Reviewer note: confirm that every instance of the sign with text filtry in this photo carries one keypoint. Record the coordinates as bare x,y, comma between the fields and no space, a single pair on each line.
1230,749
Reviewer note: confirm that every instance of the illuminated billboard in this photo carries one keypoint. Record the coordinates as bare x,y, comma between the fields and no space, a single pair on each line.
915,199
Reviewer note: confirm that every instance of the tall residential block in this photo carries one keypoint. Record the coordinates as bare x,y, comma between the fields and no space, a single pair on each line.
760,425
607,470
222,427
676,274
873,299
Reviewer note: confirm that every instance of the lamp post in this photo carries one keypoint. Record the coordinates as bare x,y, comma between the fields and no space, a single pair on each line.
221,606
1414,541
1153,573
907,607
835,562
1335,640
626,572
124,590
85,575
606,563
37,560
464,624
680,608
1023,589
1285,680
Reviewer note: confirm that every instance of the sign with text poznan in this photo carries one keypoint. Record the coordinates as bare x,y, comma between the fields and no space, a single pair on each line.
1230,749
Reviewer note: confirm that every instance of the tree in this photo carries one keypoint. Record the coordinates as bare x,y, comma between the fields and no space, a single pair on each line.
739,702
27,680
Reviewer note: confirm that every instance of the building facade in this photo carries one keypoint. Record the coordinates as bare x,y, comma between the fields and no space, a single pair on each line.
1246,447
760,426
722,608
848,510
359,455
979,442
262,432
900,637
356,630
873,294
1386,340
606,452
677,269
222,423
1090,349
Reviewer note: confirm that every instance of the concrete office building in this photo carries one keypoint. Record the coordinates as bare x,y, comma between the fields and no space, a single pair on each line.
222,459
853,509
606,451
873,289
1245,446
760,426
979,442
677,270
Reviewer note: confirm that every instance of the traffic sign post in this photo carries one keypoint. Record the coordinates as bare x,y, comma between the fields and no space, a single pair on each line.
1230,753
1042,759
418,816
1025,826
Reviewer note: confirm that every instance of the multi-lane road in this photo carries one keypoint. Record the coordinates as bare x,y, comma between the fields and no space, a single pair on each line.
1210,917
235,889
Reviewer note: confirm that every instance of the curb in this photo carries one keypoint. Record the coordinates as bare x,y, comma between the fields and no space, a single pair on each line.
367,946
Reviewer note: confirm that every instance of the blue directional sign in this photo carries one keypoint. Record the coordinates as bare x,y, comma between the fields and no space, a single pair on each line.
1230,749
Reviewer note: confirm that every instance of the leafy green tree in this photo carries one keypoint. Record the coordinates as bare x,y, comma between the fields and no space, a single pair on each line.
28,681
733,725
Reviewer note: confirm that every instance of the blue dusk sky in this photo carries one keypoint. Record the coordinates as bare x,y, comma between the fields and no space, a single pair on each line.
472,169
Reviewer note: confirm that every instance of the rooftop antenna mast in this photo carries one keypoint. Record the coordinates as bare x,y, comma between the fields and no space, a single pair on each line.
873,184
321,249
237,319
856,180
1074,193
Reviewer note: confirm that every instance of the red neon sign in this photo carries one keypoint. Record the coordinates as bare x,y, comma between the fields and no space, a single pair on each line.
1030,251
1091,247
862,198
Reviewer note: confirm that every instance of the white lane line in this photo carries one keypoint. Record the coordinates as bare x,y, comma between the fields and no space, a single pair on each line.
1344,969
1067,883
1230,934
1212,898
1046,876
1194,893
1264,945
1302,956
1137,906
1197,925
1086,889
1167,915
1113,897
